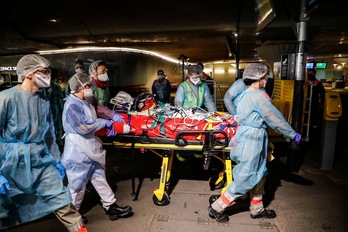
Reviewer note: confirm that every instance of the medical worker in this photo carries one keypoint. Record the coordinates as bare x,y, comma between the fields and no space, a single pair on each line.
31,174
84,156
193,92
249,146
99,72
230,97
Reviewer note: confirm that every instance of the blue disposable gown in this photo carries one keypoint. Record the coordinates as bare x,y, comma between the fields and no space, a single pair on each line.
249,144
83,157
231,96
28,156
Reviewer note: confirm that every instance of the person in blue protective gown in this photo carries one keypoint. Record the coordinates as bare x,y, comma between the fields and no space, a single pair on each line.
193,92
84,156
31,174
249,146
230,97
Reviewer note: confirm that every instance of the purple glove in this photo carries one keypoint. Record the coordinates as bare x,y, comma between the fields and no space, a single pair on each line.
108,124
109,127
4,185
297,138
117,118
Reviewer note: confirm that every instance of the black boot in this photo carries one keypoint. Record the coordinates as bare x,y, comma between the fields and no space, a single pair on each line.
85,220
264,214
219,217
116,212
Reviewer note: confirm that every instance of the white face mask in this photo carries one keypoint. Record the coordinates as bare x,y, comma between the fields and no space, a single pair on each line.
264,83
87,93
103,77
43,81
79,70
195,80
161,76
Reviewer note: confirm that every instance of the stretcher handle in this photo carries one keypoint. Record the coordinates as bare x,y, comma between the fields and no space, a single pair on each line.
144,137
181,141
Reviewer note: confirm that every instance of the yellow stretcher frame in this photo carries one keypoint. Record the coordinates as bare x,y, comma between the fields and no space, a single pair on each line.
161,196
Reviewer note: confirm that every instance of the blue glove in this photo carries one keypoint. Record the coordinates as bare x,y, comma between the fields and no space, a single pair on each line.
117,118
4,185
61,170
297,138
108,124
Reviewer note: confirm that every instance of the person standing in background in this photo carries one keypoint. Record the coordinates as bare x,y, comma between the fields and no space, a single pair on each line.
161,87
31,174
193,92
99,72
207,79
79,67
55,96
317,103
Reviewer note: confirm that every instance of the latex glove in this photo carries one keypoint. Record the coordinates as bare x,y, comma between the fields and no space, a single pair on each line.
109,127
117,118
4,185
297,138
61,170
108,124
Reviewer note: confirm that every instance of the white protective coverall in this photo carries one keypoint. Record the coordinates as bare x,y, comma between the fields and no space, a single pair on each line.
83,156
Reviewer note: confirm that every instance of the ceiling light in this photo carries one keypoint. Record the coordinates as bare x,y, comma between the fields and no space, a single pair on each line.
105,49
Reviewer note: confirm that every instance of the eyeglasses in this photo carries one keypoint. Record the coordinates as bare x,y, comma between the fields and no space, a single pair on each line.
44,71
88,85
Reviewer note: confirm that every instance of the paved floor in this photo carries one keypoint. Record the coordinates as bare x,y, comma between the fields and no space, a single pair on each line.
307,200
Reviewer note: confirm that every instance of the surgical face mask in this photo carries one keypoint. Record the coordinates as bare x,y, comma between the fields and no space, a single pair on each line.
87,93
79,70
43,81
103,77
264,83
161,76
195,80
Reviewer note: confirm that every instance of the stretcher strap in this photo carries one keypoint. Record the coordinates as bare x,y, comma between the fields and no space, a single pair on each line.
161,120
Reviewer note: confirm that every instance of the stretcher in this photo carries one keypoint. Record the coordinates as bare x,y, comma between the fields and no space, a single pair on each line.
163,129
215,144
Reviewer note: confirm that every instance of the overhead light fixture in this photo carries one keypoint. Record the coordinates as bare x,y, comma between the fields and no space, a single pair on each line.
105,49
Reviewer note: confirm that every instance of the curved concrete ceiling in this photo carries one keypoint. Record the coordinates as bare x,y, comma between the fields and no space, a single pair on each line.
197,29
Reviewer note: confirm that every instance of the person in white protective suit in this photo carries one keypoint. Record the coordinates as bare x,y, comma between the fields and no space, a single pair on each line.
31,174
84,156
249,146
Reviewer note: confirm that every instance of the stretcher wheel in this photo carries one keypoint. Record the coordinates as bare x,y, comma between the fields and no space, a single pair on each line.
165,200
213,185
213,198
